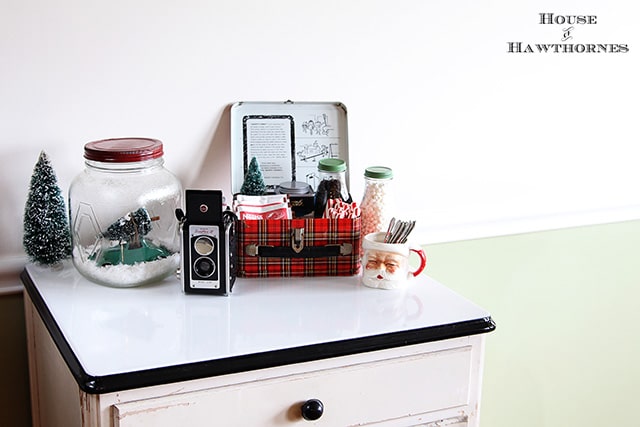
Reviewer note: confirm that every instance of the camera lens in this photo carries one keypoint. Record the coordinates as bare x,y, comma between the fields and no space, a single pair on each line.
204,267
203,245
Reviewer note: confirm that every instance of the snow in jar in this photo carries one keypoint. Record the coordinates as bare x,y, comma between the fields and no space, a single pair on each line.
377,202
122,213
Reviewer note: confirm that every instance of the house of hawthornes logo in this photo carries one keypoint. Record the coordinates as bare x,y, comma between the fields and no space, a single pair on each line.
569,29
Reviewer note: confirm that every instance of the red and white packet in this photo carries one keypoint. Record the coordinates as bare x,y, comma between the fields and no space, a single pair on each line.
262,207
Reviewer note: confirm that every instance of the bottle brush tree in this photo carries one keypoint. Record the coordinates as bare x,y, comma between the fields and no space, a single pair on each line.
253,184
46,238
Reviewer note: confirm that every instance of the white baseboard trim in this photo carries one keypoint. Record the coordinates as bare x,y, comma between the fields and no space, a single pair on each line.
510,226
12,263
10,268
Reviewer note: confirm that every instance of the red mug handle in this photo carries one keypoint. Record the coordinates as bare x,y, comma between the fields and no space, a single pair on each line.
423,261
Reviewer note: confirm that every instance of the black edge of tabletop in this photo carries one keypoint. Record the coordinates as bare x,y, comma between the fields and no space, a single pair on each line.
150,377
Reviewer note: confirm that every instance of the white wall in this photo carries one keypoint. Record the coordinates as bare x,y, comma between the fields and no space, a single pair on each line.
482,141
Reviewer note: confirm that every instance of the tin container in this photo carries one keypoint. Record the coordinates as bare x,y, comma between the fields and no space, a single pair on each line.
289,140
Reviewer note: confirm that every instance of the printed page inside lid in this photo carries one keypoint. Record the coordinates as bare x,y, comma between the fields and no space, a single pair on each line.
288,139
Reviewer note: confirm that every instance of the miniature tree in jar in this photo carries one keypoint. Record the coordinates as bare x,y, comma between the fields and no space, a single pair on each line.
376,203
122,213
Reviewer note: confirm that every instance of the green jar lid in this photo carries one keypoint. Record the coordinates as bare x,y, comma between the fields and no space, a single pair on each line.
378,172
332,165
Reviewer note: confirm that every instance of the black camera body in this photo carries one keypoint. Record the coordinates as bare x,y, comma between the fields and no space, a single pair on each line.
208,244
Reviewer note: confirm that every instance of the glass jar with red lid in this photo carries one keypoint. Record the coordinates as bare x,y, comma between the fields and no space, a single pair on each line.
122,213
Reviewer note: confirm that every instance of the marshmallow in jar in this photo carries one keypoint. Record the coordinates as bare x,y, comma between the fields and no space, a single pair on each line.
377,201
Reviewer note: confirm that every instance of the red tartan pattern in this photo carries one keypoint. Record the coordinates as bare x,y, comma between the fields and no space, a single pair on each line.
317,232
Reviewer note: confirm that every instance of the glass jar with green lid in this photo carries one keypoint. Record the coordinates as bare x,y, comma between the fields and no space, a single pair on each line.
332,173
377,203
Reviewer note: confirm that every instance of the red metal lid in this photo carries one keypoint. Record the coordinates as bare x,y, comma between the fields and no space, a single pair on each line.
123,150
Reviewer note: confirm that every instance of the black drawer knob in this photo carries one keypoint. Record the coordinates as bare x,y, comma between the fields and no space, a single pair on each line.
312,409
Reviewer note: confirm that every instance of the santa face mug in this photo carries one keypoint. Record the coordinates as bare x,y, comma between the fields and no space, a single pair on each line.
386,265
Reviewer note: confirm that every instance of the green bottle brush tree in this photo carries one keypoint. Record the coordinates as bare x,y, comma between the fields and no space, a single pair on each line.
131,247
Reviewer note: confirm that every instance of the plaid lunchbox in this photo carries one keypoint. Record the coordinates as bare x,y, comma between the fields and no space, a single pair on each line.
298,247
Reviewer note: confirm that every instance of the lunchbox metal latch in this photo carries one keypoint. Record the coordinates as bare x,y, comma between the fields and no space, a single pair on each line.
252,249
297,239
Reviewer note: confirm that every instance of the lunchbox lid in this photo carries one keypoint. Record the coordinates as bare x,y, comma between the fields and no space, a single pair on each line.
288,139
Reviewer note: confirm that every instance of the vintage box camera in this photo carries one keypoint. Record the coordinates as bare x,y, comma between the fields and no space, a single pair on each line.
208,244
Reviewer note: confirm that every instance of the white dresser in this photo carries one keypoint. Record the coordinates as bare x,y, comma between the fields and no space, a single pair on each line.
277,352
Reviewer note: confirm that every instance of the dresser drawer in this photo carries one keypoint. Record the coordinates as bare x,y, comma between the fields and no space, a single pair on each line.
351,395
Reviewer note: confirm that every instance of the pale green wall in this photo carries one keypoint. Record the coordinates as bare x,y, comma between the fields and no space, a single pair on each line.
566,351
